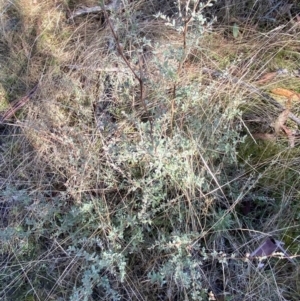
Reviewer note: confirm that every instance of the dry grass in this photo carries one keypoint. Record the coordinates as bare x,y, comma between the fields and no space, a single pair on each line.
166,200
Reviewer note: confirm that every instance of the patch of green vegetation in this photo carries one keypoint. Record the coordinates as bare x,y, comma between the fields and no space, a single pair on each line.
287,58
3,99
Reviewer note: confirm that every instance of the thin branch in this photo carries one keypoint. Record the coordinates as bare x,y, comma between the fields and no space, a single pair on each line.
138,77
94,10
84,11
119,47
17,105
97,69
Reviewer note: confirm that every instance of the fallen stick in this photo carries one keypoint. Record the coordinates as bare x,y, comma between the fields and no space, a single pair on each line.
97,69
94,10
17,105
85,11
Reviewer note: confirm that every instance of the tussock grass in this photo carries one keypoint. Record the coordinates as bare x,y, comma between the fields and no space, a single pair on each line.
158,197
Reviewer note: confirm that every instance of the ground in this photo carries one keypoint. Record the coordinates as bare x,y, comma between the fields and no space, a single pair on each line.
158,157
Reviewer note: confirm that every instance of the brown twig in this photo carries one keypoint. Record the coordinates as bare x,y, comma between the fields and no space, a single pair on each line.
84,11
186,20
93,10
138,77
17,105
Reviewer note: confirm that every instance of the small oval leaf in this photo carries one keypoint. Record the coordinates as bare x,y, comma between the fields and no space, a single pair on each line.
235,30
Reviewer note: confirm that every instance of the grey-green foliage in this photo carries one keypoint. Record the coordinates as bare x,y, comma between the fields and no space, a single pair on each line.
95,271
205,131
178,156
158,174
180,267
162,164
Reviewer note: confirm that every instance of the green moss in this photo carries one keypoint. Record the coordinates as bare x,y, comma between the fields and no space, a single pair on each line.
4,104
258,151
286,58
275,162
